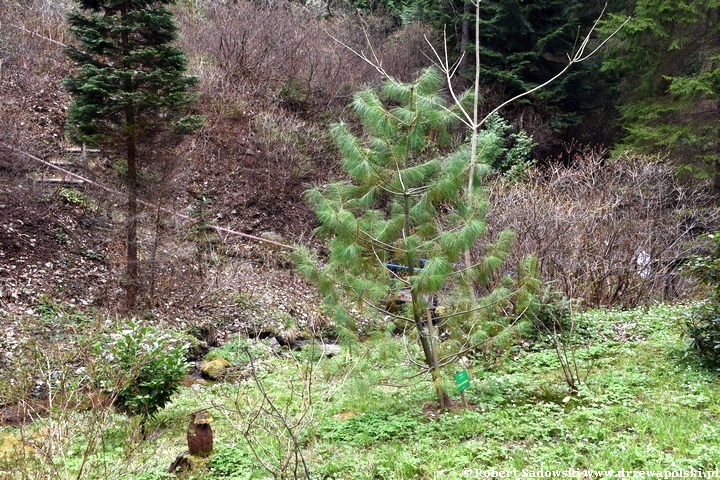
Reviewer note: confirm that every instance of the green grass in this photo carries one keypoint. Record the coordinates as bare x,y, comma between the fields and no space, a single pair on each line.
646,405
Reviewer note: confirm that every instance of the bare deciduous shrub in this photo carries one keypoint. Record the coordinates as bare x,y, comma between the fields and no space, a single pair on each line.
611,233
405,52
259,51
253,49
31,64
275,418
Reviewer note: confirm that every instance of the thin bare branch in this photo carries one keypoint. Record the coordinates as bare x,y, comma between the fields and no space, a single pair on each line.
147,204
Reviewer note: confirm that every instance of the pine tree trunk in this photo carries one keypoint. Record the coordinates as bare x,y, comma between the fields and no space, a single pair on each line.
417,313
421,330
437,381
132,262
131,272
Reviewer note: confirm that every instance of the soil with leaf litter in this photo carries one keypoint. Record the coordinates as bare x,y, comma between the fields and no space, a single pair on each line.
49,248
59,260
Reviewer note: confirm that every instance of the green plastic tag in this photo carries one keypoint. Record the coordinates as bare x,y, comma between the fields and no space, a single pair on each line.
462,380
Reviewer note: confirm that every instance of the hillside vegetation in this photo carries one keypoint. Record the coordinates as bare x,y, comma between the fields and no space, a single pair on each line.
644,406
572,269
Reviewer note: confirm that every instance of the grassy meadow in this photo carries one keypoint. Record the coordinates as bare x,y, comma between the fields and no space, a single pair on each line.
646,404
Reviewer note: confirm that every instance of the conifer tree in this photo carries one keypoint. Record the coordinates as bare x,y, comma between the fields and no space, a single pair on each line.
521,45
669,67
399,228
129,87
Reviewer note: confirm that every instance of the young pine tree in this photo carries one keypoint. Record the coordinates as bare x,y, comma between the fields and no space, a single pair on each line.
129,86
400,227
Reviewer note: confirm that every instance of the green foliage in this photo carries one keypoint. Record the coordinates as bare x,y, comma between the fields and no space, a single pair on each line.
394,8
669,71
367,429
374,418
232,462
92,255
61,236
154,475
200,212
520,400
147,368
538,29
201,232
235,351
410,204
59,313
516,156
295,95
72,196
707,267
128,88
129,80
703,323
523,44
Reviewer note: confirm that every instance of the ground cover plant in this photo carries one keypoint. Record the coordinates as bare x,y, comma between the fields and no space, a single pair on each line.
620,390
152,362
647,404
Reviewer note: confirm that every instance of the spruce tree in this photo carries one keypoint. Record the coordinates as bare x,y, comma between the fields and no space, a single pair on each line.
669,67
398,229
129,88
521,45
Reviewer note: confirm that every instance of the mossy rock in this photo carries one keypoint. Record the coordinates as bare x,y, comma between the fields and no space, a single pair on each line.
11,446
186,464
214,368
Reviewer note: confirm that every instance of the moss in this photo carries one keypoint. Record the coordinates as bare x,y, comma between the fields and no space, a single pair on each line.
188,466
10,445
215,368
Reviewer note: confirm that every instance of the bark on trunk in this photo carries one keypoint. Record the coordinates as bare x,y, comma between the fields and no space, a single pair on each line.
465,41
131,273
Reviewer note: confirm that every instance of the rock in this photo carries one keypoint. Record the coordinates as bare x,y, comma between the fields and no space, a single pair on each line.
188,463
205,332
214,368
325,349
273,237
274,344
330,349
197,349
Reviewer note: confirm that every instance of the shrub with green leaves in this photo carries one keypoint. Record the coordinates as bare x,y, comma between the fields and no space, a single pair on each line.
515,157
150,363
703,323
72,196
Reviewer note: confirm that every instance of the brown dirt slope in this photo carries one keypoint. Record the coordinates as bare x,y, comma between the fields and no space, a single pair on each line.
48,247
